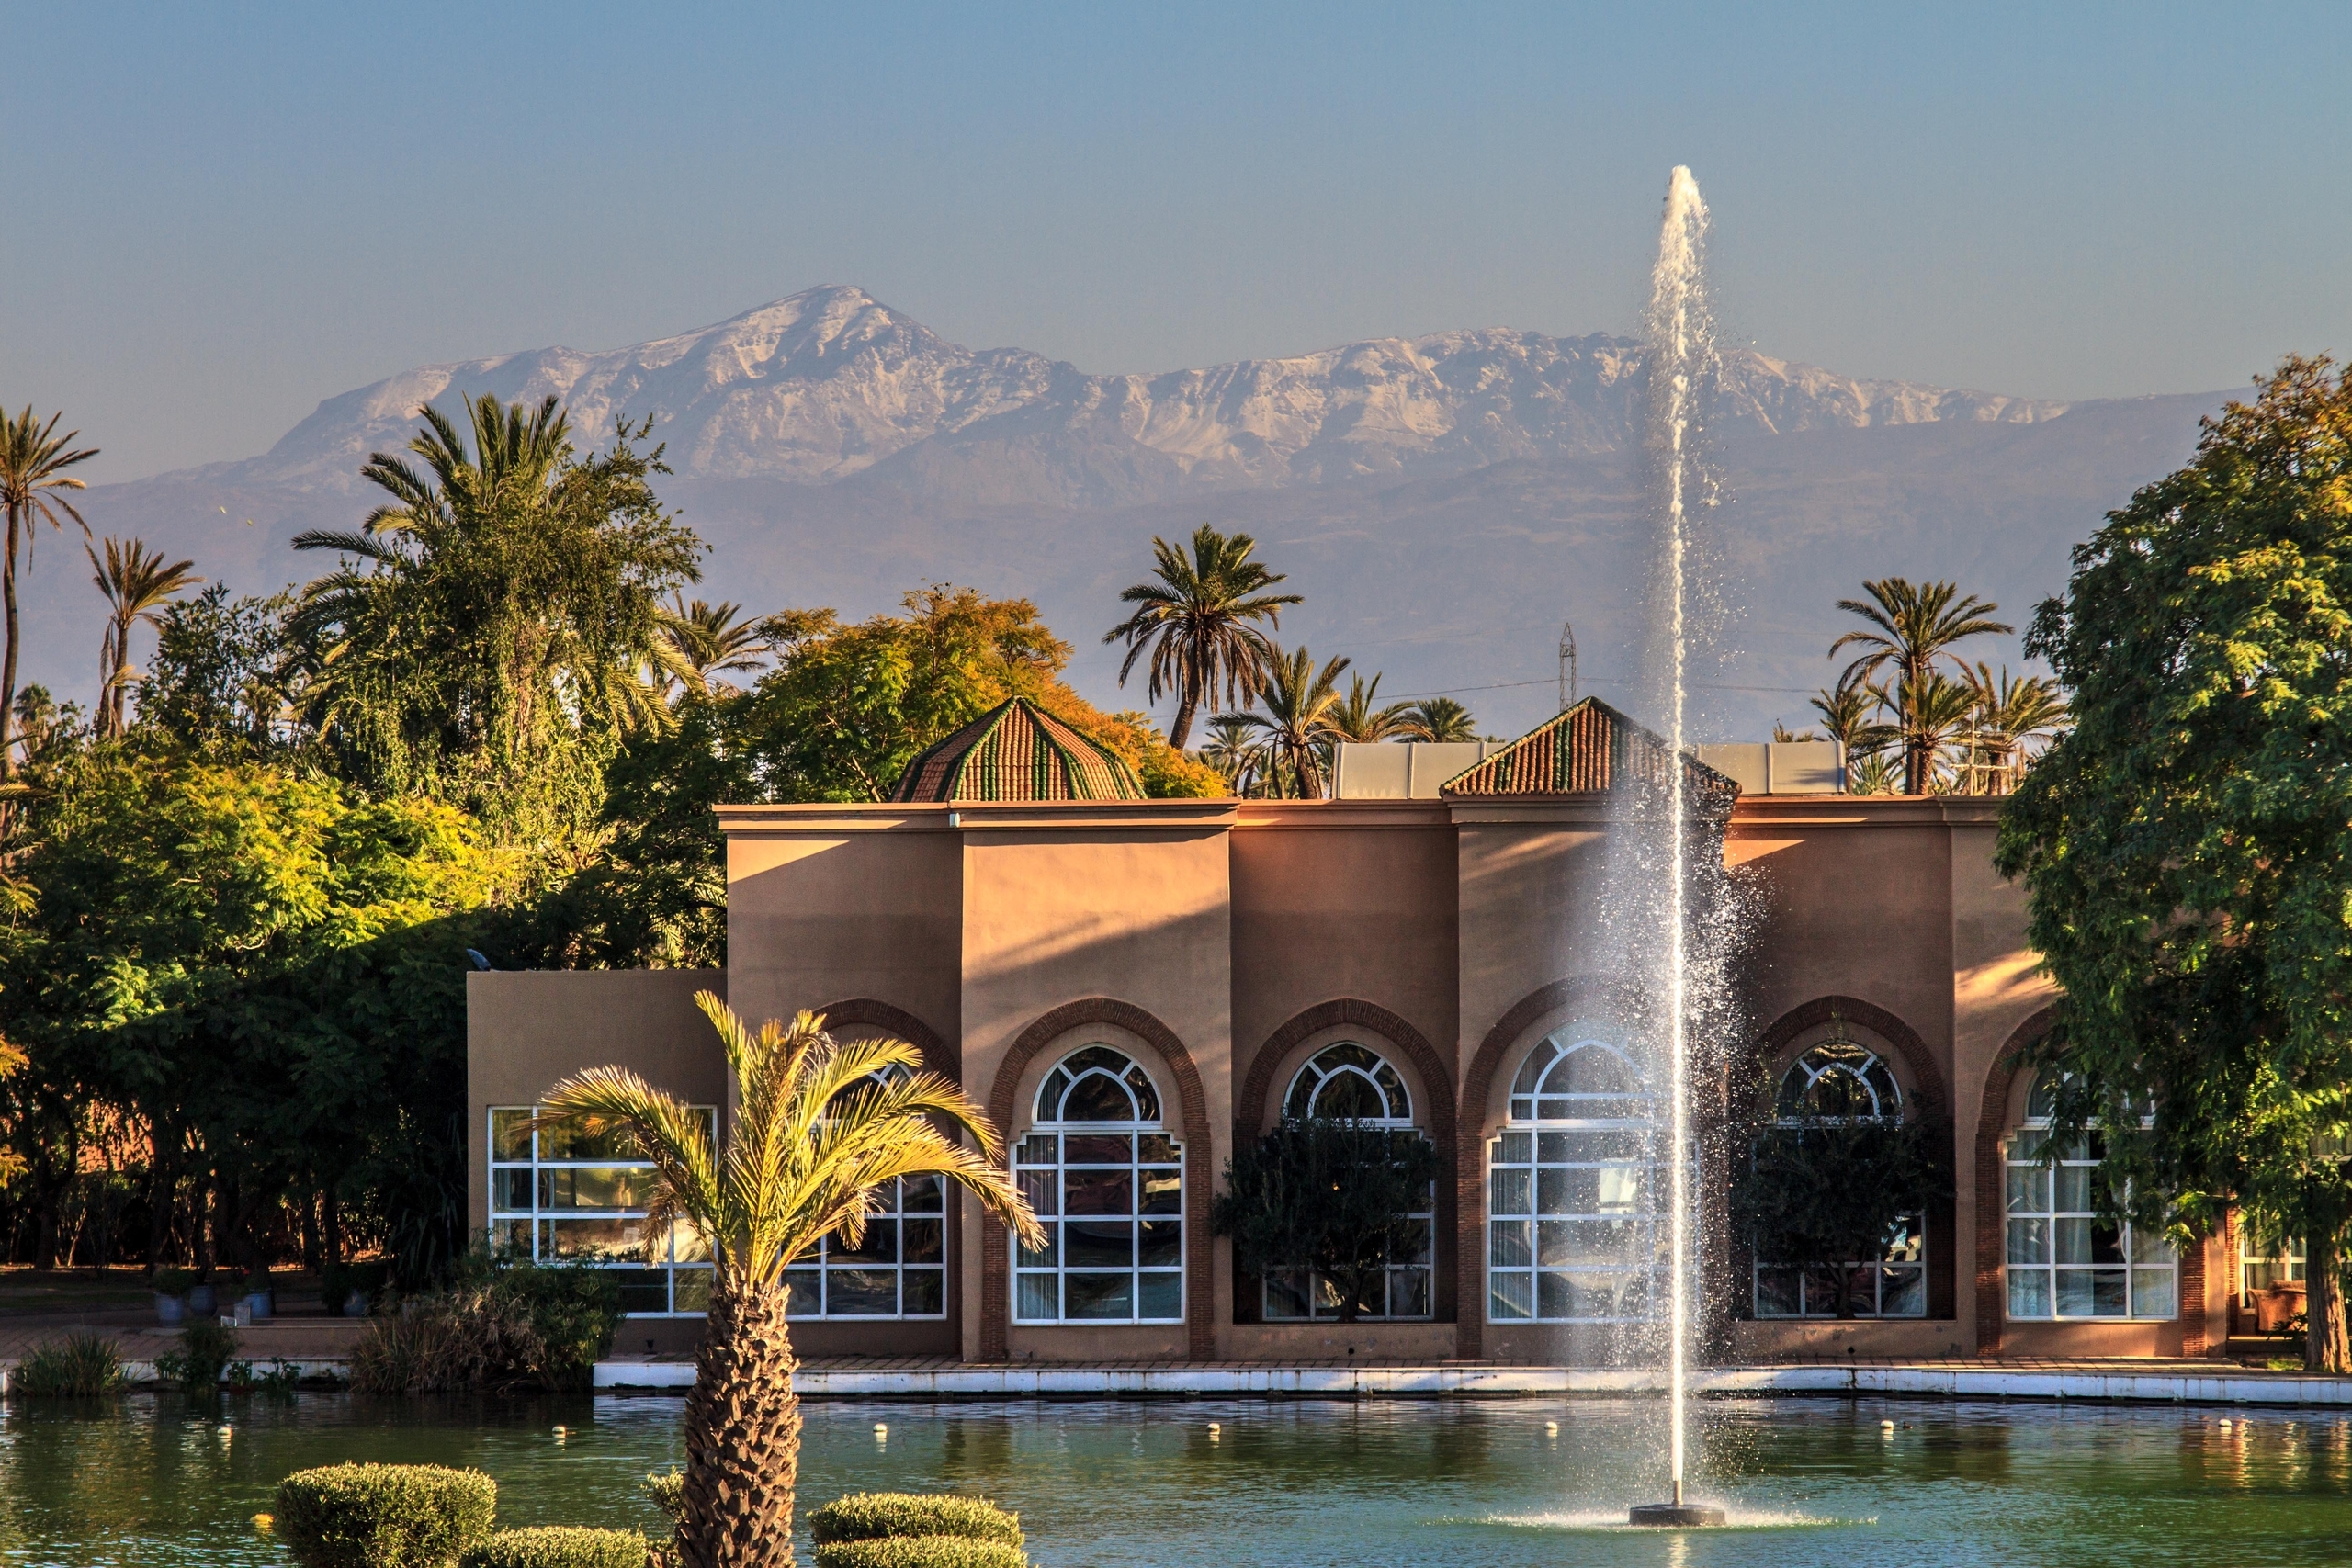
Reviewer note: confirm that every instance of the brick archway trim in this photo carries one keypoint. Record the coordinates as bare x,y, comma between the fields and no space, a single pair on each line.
995,1264
867,1013
1470,1175
1992,1183
1877,1020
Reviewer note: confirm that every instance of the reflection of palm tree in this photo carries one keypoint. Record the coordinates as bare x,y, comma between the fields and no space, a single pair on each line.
1354,718
1916,627
1440,719
33,460
814,1141
136,581
2011,711
699,641
1194,622
1298,700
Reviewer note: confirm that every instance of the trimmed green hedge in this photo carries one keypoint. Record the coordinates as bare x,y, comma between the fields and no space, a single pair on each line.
559,1546
384,1515
921,1551
876,1515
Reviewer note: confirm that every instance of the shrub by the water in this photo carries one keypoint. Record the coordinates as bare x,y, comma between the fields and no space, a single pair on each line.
503,1326
921,1551
876,1515
206,1349
668,1490
85,1365
384,1515
557,1546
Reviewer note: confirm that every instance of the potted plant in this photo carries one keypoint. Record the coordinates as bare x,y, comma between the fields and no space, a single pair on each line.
171,1286
201,1300
257,1295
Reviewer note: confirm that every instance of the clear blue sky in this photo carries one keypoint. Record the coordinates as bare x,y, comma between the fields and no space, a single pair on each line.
218,219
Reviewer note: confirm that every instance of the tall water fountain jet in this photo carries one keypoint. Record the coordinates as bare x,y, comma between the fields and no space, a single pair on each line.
1681,355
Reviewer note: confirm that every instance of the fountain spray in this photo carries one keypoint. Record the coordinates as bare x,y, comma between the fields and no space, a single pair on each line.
1680,357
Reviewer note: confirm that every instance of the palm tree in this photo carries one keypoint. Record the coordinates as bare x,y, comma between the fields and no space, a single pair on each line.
136,581
33,460
1915,626
1440,719
1354,718
1299,701
1874,775
2011,711
1194,622
819,1129
1232,750
699,641
1846,719
1929,713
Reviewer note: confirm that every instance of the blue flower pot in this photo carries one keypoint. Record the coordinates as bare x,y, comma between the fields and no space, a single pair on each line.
259,1303
169,1309
202,1301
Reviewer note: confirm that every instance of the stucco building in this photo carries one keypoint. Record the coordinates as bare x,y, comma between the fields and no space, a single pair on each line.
1131,987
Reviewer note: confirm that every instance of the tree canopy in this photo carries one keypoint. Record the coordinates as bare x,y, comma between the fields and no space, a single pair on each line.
2187,846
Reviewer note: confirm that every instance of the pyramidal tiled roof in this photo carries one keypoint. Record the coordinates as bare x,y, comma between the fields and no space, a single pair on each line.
1016,751
1590,748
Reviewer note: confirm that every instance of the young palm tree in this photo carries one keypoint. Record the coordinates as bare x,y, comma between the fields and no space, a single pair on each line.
1846,719
1297,726
33,460
136,581
1195,619
1440,719
1354,718
1916,624
819,1128
1232,751
2011,712
700,640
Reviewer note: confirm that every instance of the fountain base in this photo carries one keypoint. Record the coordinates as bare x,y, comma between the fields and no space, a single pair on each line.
1674,1516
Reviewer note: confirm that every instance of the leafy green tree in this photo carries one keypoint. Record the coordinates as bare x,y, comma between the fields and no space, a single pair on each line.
2185,844
1197,620
1296,729
33,460
217,678
491,645
136,581
819,1127
1911,627
1330,1195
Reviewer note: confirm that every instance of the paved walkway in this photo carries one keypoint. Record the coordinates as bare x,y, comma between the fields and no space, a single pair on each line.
317,1343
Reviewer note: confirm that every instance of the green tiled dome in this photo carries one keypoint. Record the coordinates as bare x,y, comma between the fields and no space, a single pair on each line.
1017,751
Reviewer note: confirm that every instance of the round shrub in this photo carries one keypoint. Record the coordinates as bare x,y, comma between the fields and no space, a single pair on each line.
559,1546
877,1516
921,1551
384,1515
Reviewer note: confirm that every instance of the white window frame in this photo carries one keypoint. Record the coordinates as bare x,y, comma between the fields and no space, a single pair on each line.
1905,1255
2070,1179
1397,1280
532,1230
2288,1263
1154,1164
1565,1135
824,1275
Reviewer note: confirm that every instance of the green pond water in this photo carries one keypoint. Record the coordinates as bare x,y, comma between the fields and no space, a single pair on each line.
150,1479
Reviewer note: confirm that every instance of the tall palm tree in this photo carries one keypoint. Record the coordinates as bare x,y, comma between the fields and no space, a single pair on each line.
1440,719
33,460
1353,718
1195,622
700,640
1931,713
2011,712
136,581
819,1129
1913,627
1299,701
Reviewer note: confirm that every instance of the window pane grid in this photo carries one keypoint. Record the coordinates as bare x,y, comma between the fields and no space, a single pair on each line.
898,1269
1108,1187
1842,1081
576,1196
2064,1260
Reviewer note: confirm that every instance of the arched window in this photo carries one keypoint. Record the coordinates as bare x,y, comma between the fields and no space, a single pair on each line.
2065,1259
1107,1182
1839,1080
1350,1081
1572,1190
1354,1082
899,1269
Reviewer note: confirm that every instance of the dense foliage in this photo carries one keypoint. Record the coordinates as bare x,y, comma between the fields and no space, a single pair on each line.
1822,1191
2189,846
557,1546
1331,1195
873,1516
500,1325
384,1515
82,1365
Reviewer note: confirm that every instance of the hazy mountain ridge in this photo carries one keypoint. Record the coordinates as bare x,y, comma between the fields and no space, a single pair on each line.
830,384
